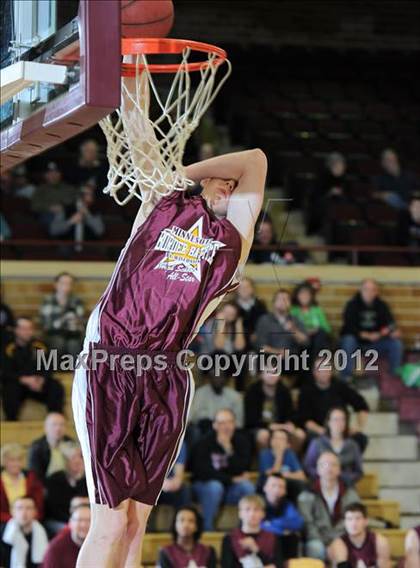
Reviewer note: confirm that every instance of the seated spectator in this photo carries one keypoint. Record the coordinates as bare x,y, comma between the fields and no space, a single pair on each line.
305,308
21,376
61,317
333,185
279,332
64,548
268,406
394,185
250,545
337,441
322,394
225,334
15,482
358,545
281,516
322,506
279,458
409,228
219,466
250,309
23,187
175,492
186,549
265,237
52,193
23,540
78,221
211,398
45,453
369,324
62,486
412,548
90,168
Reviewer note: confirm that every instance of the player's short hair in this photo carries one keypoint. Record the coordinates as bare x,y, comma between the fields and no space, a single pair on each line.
198,522
256,500
81,506
61,274
280,291
276,475
356,508
24,498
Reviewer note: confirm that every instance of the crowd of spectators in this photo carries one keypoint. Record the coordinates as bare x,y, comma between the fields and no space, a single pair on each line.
63,198
346,203
67,201
291,427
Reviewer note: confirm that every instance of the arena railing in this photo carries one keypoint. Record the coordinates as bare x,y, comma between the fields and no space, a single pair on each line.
29,249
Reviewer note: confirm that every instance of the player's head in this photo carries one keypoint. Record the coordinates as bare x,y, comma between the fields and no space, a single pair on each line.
63,283
24,329
217,192
390,162
281,301
369,290
355,519
224,423
328,467
24,511
79,523
336,163
275,488
322,371
187,523
251,511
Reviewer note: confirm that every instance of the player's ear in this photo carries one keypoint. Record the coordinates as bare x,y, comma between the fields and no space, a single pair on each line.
204,182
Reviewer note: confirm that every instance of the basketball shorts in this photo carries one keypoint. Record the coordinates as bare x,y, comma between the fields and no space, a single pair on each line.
130,425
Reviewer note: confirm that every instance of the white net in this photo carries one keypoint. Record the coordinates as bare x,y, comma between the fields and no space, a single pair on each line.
145,153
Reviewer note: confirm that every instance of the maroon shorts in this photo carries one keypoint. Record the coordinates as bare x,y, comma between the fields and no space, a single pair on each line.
134,425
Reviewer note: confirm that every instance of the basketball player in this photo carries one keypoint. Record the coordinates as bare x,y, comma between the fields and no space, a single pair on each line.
176,267
359,547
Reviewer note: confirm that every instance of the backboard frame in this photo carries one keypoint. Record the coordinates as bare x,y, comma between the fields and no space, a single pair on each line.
96,95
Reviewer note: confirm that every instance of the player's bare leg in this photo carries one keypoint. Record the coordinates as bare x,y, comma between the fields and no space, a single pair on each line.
138,513
103,545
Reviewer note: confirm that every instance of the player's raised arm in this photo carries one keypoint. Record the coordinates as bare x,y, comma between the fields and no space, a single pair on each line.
248,169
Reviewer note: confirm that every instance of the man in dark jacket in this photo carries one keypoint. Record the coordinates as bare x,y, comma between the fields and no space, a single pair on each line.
394,185
268,406
317,397
250,309
370,325
219,465
45,455
21,376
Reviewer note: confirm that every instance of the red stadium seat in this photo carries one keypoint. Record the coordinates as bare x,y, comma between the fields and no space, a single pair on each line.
346,213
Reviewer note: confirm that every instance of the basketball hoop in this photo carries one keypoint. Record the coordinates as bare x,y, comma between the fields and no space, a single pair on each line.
147,135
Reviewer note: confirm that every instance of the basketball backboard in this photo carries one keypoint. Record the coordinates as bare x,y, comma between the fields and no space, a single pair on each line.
84,36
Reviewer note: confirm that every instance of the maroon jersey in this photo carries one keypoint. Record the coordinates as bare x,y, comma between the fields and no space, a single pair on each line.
233,550
366,553
176,557
178,261
171,274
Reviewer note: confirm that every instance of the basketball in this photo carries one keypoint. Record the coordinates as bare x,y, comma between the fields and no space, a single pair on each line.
146,18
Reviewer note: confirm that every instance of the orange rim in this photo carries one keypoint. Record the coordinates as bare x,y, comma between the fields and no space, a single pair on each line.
149,46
